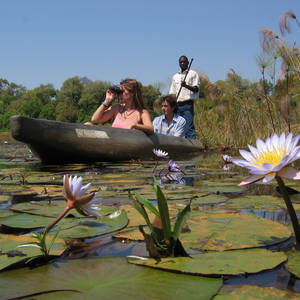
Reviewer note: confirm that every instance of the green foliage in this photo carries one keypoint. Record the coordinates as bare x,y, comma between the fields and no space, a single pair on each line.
41,242
76,101
162,241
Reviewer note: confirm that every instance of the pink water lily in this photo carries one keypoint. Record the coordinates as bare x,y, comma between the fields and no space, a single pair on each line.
271,158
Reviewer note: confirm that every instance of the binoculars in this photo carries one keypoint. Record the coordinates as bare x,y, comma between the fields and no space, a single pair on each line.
116,89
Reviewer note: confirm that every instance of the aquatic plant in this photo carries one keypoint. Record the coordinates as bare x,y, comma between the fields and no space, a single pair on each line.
162,240
160,154
74,193
173,167
271,159
41,242
284,25
227,161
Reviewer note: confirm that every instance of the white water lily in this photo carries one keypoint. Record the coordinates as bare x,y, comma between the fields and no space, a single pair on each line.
74,193
271,158
160,153
228,165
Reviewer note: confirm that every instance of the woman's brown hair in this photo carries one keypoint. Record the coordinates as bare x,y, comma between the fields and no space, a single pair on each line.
134,87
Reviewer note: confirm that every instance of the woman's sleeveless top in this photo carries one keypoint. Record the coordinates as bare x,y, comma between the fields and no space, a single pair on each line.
120,122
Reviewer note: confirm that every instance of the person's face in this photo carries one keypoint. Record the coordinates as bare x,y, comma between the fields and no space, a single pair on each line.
126,96
166,108
183,63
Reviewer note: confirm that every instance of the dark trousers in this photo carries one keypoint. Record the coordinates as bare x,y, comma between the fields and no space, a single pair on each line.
186,110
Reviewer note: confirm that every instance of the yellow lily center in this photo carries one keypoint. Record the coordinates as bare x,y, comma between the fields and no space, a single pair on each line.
272,156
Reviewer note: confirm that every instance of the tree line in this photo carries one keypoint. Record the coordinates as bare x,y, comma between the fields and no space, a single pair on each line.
75,101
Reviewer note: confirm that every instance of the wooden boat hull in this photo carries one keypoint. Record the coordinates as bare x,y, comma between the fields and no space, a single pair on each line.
59,142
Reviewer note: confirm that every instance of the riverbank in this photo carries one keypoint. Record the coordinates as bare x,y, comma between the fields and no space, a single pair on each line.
5,136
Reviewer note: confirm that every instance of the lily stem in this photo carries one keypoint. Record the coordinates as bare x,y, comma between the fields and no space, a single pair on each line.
50,226
290,208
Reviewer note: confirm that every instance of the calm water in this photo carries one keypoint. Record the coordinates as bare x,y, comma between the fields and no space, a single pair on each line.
23,178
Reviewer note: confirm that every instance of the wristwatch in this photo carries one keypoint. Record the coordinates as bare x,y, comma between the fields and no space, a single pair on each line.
105,104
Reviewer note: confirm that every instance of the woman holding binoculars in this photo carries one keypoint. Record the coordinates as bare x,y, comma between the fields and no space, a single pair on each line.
130,113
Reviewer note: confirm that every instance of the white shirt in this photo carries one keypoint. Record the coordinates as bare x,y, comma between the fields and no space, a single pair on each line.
192,79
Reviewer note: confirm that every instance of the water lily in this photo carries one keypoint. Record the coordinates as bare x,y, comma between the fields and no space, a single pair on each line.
160,153
74,193
227,159
173,167
271,159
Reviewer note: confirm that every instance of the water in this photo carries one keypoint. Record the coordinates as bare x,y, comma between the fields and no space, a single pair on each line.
23,178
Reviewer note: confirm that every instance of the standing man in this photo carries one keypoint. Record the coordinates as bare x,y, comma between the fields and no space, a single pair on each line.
188,90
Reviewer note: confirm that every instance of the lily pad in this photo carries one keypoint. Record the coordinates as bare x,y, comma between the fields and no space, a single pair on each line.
221,231
249,292
25,221
210,199
10,253
293,263
4,198
54,208
86,228
68,227
104,278
236,262
262,202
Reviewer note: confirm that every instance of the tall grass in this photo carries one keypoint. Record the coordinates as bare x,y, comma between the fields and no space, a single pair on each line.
235,118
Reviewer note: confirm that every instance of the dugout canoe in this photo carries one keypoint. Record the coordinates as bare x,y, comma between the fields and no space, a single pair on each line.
60,142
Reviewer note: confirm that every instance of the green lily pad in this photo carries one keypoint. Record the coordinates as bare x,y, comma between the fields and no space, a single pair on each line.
262,202
87,227
9,243
221,231
209,199
250,292
6,213
293,263
104,278
53,209
68,227
219,188
4,198
25,221
236,262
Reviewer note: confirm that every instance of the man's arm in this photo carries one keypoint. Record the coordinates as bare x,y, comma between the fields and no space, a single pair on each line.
194,89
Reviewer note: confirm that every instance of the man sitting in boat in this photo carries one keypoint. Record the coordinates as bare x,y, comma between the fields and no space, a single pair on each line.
130,113
170,123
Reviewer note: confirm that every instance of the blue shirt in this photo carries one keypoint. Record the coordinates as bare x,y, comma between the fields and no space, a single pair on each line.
175,128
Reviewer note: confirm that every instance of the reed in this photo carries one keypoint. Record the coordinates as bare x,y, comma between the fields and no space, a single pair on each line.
237,115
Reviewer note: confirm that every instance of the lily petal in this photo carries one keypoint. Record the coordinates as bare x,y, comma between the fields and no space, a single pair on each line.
250,179
289,173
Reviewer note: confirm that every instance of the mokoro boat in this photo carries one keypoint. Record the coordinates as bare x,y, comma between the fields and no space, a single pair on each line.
59,142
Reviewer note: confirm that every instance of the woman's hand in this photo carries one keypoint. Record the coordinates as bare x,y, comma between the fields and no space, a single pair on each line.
109,97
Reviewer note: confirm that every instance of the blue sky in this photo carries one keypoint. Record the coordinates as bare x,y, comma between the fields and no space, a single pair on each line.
50,41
